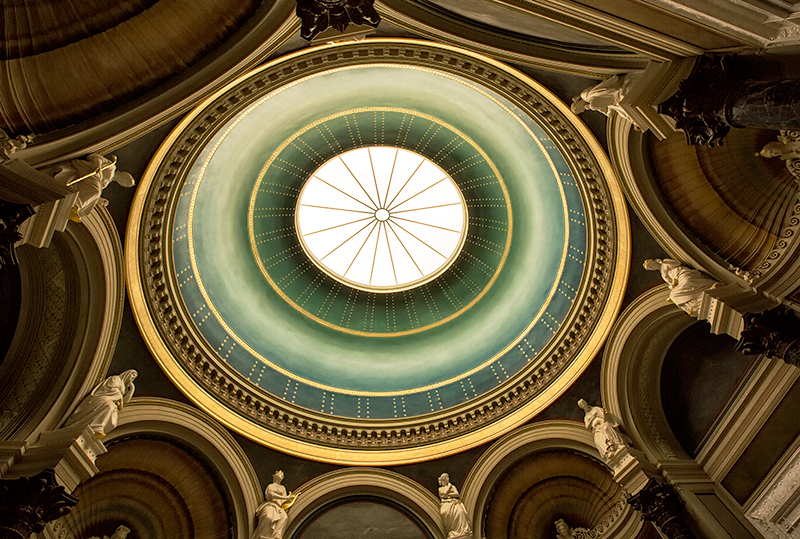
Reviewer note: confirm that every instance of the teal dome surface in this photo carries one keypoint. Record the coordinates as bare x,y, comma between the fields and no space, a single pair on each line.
293,331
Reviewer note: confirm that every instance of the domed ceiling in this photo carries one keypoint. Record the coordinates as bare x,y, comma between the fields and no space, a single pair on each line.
410,157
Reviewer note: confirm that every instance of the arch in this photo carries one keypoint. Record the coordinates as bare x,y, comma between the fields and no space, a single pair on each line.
338,485
631,372
569,436
198,431
72,300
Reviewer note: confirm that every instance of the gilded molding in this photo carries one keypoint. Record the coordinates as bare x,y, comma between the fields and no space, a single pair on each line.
227,396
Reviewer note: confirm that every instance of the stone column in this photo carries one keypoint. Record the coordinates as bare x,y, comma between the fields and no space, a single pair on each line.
716,97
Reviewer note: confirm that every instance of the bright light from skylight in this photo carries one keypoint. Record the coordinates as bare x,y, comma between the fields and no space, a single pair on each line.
381,219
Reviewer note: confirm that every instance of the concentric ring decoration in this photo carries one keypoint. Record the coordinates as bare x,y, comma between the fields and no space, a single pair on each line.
262,337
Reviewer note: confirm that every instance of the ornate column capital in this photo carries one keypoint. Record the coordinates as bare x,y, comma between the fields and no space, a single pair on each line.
11,217
774,333
319,15
660,504
28,503
717,96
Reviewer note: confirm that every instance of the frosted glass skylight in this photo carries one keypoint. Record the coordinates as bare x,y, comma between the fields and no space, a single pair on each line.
381,219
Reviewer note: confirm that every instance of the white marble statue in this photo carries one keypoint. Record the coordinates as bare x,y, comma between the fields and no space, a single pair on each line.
686,284
100,408
272,513
121,533
606,96
89,176
454,514
563,530
604,427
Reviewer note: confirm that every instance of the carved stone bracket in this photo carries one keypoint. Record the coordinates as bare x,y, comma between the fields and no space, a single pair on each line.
774,333
715,98
319,15
28,503
11,217
660,504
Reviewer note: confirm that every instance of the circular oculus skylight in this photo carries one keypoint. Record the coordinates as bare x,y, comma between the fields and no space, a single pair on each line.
381,219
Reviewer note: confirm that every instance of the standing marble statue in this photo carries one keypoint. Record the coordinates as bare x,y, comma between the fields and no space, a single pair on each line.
686,284
604,427
89,176
454,514
100,408
272,513
606,96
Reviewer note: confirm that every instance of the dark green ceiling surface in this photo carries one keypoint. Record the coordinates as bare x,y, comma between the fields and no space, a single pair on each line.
284,325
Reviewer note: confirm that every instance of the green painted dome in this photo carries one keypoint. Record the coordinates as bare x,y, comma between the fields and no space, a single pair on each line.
509,310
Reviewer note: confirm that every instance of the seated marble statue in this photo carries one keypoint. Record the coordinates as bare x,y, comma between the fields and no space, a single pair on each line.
272,513
686,284
604,427
100,408
89,176
454,514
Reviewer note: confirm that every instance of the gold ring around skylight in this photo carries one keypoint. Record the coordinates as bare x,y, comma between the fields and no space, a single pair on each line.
381,219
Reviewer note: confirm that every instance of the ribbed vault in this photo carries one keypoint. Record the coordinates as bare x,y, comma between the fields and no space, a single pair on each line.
156,488
713,192
65,62
545,487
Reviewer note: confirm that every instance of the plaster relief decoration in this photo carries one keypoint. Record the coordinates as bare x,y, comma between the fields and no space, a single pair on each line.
27,504
775,510
9,145
319,15
120,533
787,147
454,514
272,513
89,176
100,408
565,532
774,333
686,284
607,97
604,426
